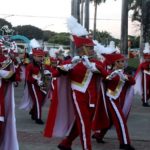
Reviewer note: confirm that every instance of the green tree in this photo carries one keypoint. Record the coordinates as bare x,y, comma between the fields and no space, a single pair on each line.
104,37
60,38
4,22
135,41
29,31
141,13
136,7
96,3
47,35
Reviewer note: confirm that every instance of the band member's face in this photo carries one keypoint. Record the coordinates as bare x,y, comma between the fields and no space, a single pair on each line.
88,50
21,55
120,64
38,58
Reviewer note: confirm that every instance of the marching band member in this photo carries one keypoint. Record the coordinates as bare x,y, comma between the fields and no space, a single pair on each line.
119,95
83,71
7,105
34,74
142,77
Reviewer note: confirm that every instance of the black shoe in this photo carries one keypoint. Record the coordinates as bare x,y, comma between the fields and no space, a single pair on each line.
98,139
126,147
146,105
39,121
32,117
62,147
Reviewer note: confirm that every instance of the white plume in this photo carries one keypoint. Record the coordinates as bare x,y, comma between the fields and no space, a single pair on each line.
52,52
98,48
60,48
75,28
34,43
146,48
110,48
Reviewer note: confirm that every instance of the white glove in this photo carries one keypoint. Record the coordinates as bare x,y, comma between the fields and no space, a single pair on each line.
47,72
112,75
40,83
93,68
75,59
66,67
86,61
123,76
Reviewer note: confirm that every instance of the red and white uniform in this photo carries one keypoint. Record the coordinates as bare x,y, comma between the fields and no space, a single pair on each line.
33,73
142,77
7,110
119,94
83,84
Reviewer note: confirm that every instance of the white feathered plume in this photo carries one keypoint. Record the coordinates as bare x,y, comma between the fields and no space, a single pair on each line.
75,28
34,43
52,52
146,48
99,50
111,48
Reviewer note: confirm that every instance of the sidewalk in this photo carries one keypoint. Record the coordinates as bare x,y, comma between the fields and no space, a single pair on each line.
30,134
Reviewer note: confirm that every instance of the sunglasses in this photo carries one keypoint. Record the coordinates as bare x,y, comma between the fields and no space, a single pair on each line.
120,61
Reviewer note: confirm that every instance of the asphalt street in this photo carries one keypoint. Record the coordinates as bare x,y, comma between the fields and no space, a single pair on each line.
30,134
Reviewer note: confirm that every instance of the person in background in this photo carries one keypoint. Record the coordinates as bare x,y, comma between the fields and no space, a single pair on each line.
34,78
142,77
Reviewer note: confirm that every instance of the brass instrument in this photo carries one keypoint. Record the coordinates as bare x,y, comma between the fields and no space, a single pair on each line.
45,78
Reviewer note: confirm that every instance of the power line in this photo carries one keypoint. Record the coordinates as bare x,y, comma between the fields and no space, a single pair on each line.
54,17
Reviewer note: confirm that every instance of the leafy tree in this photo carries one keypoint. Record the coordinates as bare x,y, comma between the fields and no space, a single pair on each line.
136,7
48,34
29,31
135,41
104,37
96,3
60,38
4,22
141,13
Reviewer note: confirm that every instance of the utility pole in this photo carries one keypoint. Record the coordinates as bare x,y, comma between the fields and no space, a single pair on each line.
86,22
124,27
75,12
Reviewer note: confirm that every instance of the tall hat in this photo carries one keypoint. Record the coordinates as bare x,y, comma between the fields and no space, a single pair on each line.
36,50
81,41
146,51
112,58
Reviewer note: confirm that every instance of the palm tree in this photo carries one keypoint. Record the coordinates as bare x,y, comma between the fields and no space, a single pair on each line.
75,9
81,11
86,22
124,27
96,2
141,13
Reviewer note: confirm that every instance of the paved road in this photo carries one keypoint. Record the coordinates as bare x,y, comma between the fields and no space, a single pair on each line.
30,134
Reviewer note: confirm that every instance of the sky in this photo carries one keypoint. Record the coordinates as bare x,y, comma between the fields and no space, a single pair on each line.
52,15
